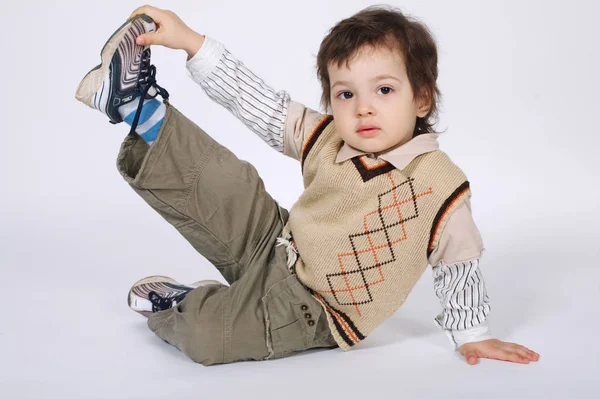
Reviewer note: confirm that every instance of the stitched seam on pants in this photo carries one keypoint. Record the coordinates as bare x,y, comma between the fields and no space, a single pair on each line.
160,144
196,176
226,329
191,220
124,153
266,299
228,262
259,238
268,337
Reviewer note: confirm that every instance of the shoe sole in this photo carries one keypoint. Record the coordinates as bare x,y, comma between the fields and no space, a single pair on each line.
165,279
92,81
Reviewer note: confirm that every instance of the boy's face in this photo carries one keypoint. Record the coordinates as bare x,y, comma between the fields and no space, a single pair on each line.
374,93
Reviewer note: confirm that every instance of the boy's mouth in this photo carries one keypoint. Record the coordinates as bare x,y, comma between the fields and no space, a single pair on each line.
367,130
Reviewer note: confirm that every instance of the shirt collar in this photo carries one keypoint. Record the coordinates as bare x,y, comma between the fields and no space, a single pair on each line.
401,156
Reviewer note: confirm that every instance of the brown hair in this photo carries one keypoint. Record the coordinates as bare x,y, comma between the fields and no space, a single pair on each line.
385,26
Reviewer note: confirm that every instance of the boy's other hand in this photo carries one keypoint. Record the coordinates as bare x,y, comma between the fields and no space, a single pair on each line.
171,31
496,349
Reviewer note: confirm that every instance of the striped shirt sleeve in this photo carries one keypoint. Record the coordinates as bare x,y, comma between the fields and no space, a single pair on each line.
228,82
462,293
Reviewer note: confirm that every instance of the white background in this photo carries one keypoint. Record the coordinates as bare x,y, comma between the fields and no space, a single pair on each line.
520,87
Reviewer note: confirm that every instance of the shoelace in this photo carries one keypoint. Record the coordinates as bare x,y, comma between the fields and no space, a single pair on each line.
163,303
146,80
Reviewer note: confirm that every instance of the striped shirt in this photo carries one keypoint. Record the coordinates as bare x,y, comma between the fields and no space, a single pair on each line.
459,287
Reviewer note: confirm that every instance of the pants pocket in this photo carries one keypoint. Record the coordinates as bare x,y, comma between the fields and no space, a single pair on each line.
291,315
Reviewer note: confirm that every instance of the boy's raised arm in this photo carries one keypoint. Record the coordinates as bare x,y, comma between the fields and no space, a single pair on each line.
270,114
281,123
229,83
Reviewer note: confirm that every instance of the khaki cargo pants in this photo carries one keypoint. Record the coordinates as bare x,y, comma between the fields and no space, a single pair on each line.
219,204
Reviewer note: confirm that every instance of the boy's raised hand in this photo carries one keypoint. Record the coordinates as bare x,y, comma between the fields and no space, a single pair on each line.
171,31
496,349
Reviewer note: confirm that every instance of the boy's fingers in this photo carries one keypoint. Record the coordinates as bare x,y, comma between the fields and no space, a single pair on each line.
512,357
148,39
150,11
525,354
471,357
528,350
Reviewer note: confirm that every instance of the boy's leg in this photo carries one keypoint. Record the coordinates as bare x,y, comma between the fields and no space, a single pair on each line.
220,205
215,200
265,314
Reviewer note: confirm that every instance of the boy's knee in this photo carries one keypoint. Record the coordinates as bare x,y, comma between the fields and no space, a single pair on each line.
195,325
205,346
201,342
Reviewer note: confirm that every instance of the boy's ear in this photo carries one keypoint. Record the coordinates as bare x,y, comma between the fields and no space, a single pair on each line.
424,104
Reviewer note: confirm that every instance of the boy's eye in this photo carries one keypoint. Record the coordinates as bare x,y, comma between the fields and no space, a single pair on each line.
385,90
345,95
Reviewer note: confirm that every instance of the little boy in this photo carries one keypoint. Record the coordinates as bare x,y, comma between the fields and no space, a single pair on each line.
381,201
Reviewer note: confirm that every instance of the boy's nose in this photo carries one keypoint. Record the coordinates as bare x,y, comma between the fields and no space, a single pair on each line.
364,110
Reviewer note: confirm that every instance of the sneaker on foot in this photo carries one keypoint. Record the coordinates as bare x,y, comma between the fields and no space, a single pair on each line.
124,74
155,293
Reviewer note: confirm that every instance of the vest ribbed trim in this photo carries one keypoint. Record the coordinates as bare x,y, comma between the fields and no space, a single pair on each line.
314,136
446,206
343,324
369,173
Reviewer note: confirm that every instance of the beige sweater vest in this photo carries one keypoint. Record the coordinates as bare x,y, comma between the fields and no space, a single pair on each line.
364,229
